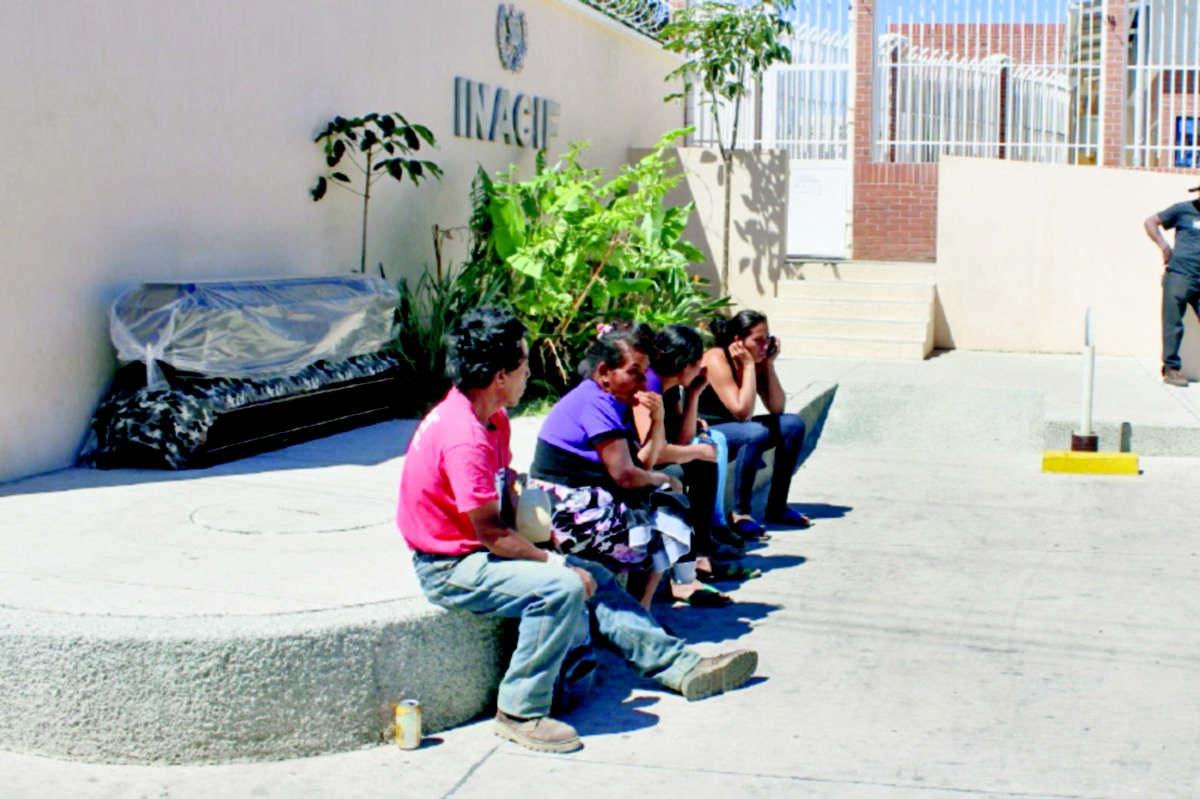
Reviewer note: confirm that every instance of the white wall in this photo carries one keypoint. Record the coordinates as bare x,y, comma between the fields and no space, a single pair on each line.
172,139
758,219
1024,249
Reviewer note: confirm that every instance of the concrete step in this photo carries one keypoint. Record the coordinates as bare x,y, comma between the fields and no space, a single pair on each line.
879,310
851,328
815,289
841,347
873,271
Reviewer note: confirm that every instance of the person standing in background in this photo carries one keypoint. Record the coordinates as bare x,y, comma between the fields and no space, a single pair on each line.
1180,281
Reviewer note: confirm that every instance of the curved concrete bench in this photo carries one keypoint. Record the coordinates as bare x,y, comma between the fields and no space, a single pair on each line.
204,689
258,610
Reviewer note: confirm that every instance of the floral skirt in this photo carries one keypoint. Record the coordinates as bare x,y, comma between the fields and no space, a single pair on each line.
589,523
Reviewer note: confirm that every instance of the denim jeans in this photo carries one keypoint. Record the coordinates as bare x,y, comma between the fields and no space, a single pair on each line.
548,600
1179,291
748,441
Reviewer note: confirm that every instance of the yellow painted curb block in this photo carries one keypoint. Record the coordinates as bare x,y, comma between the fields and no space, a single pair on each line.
1090,462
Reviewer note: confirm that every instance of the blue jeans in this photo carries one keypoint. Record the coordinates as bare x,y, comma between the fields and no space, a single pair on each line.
748,441
548,600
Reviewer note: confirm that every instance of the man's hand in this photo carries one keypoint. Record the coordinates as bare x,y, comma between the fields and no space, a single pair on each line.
704,452
1166,253
653,403
589,585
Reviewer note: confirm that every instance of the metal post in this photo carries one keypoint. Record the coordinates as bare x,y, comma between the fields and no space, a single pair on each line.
1086,440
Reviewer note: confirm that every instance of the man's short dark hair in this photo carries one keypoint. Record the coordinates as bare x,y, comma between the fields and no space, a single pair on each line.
485,342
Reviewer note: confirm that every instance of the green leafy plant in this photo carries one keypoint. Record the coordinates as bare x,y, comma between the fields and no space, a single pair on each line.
567,250
376,146
427,310
728,46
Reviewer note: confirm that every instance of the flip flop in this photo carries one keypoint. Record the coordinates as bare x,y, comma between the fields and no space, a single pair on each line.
790,518
706,597
751,530
727,571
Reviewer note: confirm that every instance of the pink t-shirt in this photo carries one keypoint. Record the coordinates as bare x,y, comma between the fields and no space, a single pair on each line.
452,466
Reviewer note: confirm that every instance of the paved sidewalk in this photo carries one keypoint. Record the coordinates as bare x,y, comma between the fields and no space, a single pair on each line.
956,624
1001,402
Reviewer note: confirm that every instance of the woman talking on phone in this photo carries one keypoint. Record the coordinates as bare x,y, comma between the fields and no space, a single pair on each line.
741,370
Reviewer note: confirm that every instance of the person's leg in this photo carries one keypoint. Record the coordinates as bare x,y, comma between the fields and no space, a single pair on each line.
747,441
1193,299
1174,302
787,435
700,477
547,599
632,630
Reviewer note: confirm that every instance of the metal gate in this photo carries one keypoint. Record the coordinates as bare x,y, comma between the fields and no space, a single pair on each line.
802,108
1014,79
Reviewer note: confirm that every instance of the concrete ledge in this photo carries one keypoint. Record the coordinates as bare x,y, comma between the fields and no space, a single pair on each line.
812,404
206,689
1144,439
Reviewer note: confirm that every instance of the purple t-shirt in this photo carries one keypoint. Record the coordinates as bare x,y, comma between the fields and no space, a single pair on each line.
585,416
653,382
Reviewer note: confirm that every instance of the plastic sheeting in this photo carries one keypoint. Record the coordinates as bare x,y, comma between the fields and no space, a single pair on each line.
255,329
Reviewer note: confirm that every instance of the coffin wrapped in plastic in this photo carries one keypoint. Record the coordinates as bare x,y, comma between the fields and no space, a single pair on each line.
220,370
252,328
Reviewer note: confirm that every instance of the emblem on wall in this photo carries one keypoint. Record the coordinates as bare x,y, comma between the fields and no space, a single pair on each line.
511,37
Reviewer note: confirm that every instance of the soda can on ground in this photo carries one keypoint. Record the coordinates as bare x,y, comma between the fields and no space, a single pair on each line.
408,724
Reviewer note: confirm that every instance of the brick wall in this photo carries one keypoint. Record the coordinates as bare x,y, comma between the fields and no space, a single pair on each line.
1025,43
1112,134
895,205
895,212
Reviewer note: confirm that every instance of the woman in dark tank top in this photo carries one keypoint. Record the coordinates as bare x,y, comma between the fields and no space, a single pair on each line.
741,371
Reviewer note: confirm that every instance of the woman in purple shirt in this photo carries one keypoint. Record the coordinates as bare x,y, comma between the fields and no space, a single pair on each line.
607,500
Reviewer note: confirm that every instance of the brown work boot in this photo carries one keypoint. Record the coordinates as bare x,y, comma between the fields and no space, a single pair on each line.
543,734
712,676
1174,377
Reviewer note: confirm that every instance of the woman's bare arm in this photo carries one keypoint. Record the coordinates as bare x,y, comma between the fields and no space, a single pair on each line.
772,393
654,438
614,453
680,451
738,399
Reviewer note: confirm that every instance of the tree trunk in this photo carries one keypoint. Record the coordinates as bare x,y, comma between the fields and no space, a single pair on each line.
362,264
728,158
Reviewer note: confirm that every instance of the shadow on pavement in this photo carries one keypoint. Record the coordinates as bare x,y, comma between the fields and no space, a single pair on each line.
609,708
768,563
713,625
818,511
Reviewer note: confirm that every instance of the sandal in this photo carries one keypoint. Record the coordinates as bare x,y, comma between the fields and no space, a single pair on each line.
790,518
751,530
727,571
705,597
723,536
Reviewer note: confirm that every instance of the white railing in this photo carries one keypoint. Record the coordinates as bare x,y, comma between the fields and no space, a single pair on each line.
1164,99
999,79
801,107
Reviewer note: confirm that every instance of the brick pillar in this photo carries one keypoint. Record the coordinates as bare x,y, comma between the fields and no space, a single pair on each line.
864,58
1112,80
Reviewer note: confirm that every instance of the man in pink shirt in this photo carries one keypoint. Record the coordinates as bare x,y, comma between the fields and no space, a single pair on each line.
468,558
